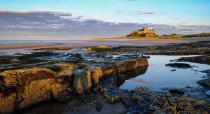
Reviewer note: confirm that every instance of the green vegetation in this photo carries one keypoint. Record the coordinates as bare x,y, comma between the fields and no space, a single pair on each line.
171,36
136,35
174,35
146,35
197,35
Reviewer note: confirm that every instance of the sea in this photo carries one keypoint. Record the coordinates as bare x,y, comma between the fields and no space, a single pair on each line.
82,41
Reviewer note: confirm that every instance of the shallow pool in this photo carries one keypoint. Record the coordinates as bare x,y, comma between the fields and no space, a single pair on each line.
159,77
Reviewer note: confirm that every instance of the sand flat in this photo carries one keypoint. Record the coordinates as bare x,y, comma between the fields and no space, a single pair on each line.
103,41
26,45
148,41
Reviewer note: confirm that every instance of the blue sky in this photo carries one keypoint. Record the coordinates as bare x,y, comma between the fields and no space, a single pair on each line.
169,12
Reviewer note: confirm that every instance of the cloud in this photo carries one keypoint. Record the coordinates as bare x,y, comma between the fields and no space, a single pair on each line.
145,12
61,25
131,0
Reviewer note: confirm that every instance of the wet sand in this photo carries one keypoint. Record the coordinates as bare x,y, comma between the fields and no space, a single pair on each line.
26,45
103,41
152,41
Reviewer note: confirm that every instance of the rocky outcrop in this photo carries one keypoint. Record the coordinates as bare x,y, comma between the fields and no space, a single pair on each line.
176,91
62,69
82,81
7,102
53,49
197,59
23,88
143,101
87,78
190,48
101,48
179,65
125,66
5,60
205,82
96,75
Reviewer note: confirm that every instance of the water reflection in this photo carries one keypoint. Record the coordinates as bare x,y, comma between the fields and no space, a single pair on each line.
159,77
118,80
131,74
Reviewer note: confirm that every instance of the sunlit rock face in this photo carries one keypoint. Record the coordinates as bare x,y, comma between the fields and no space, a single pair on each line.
82,81
125,66
96,75
26,87
59,77
86,79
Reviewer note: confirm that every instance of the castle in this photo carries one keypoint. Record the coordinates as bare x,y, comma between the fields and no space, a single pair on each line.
145,32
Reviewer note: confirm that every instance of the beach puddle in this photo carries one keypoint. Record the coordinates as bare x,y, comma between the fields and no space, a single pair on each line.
160,77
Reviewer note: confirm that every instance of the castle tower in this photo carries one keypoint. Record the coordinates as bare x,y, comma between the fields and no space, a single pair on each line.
145,32
145,29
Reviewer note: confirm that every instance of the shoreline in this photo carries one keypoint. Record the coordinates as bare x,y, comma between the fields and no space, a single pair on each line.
95,83
27,45
103,41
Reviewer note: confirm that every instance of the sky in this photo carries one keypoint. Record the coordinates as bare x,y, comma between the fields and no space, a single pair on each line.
171,12
67,19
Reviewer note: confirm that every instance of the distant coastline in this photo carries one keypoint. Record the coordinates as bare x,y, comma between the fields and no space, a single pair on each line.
115,41
147,32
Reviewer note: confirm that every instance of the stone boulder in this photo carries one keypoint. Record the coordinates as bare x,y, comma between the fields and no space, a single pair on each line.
7,102
65,69
125,66
205,59
82,81
96,75
179,65
176,91
110,70
205,82
26,87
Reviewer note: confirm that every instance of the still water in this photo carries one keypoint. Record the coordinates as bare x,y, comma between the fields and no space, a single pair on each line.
159,77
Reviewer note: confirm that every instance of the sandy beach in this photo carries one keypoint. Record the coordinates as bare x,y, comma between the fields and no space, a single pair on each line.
26,45
102,41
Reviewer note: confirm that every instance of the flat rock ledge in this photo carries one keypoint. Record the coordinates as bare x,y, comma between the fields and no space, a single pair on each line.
23,88
143,101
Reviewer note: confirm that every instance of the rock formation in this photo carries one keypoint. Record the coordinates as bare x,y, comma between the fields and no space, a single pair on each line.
85,78
22,88
25,87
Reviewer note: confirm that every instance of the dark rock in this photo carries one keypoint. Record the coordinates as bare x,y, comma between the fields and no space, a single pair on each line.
176,91
36,54
142,90
53,49
75,58
179,65
183,106
113,95
197,59
5,60
166,110
205,83
207,72
99,106
173,70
